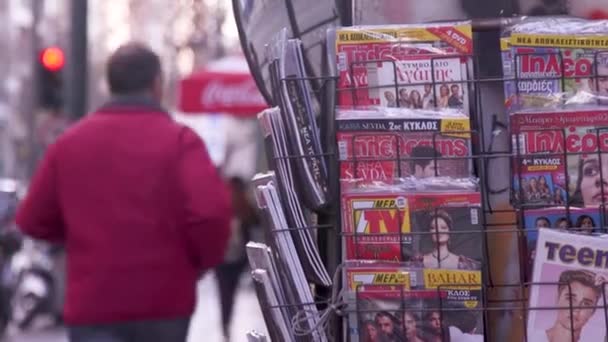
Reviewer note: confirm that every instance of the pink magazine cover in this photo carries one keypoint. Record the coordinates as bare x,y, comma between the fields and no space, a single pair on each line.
567,294
409,66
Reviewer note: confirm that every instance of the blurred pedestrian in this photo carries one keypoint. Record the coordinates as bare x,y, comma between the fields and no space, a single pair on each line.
239,167
139,206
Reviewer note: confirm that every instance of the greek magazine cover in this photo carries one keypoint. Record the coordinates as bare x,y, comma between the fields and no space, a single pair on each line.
376,225
558,157
409,66
571,272
582,220
438,306
434,229
447,230
545,67
382,148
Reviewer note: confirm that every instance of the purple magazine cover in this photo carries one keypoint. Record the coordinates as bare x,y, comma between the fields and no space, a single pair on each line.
570,273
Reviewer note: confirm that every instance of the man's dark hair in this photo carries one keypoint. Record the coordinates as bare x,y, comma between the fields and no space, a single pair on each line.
542,218
132,68
586,278
387,315
425,152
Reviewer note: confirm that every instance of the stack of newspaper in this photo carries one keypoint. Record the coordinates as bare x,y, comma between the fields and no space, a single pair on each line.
296,218
298,107
283,289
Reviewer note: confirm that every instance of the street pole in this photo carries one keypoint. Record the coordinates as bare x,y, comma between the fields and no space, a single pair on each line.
31,107
77,61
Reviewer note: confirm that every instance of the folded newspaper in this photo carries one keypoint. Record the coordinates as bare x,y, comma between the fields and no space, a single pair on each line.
297,219
298,112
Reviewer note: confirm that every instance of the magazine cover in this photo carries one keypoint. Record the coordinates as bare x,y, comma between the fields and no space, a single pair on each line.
546,67
582,220
376,225
435,229
542,174
370,148
410,66
446,228
570,270
441,309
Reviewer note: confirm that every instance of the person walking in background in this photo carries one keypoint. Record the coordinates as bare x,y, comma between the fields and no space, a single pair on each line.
139,206
239,166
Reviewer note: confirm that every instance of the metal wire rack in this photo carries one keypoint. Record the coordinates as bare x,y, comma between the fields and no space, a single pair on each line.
502,232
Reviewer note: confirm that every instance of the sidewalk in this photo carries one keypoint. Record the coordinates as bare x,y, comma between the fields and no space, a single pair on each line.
205,325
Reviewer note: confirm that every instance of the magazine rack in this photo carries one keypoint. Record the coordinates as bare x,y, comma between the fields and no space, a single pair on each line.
504,304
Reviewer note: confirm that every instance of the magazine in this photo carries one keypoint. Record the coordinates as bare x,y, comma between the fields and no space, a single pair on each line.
447,230
582,220
411,66
385,147
442,306
546,66
397,225
567,295
543,174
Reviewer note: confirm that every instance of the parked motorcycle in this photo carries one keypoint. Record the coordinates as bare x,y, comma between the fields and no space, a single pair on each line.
35,288
10,243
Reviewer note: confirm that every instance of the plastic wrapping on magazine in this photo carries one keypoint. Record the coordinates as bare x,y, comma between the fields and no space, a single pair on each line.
413,184
419,66
345,112
555,62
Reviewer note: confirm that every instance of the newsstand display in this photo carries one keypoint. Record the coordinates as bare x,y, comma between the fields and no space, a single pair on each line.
385,215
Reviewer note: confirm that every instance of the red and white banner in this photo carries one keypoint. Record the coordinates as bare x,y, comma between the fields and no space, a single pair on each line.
225,87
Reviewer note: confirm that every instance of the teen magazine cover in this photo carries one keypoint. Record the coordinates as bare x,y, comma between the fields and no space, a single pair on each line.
570,271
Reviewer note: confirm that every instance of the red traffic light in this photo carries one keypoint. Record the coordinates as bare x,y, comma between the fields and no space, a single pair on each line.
52,58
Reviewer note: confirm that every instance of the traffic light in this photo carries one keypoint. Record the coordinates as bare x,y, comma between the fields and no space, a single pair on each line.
50,78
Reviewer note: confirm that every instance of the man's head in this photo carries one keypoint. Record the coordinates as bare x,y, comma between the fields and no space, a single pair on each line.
579,288
133,69
389,96
455,89
426,166
386,323
409,322
433,320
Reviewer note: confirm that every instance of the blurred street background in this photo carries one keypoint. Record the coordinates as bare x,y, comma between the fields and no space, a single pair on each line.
205,323
54,73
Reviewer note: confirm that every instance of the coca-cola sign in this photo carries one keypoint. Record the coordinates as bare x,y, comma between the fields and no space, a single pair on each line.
213,92
219,94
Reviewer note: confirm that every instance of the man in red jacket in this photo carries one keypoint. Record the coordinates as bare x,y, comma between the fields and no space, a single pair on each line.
139,206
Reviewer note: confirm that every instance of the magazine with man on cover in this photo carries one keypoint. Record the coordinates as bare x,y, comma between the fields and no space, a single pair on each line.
567,293
441,306
384,147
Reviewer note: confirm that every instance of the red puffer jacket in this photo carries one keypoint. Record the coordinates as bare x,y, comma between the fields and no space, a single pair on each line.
140,208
